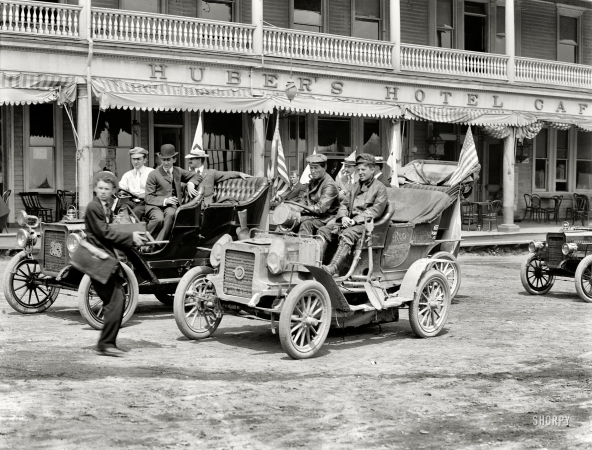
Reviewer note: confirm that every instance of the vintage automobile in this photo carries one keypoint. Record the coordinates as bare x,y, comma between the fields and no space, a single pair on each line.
34,277
406,259
566,253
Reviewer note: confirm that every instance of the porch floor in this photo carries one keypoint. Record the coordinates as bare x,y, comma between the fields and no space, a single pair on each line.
528,231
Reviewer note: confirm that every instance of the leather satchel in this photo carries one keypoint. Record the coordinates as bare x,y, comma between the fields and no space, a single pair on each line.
94,262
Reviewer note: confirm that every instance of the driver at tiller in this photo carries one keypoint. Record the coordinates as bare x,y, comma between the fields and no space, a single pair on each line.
368,199
321,198
134,181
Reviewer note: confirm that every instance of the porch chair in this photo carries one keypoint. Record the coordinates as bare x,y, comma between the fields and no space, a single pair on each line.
492,213
468,215
65,200
570,211
554,210
536,203
528,201
33,206
582,210
5,198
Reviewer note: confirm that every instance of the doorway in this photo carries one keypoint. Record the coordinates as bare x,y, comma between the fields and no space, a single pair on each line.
475,27
167,135
494,169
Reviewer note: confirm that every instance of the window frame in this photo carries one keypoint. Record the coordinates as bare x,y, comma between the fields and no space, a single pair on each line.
162,7
576,13
235,9
576,159
58,155
381,20
324,17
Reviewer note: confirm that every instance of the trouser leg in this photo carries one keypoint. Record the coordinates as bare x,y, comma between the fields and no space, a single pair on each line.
310,226
112,295
351,235
155,220
169,217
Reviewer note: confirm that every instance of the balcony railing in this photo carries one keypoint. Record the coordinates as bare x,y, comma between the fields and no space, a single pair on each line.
39,18
128,26
453,62
552,72
326,48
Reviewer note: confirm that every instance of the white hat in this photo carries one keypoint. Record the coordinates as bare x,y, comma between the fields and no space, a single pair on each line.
197,153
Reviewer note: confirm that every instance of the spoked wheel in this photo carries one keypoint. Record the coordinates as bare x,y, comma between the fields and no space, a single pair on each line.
583,279
91,306
305,320
450,269
535,277
197,308
165,299
23,288
429,310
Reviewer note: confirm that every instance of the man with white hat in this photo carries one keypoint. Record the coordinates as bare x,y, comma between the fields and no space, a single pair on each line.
347,178
134,181
207,178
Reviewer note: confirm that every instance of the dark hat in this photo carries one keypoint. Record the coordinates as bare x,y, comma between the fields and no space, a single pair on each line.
365,159
167,151
107,177
316,159
138,151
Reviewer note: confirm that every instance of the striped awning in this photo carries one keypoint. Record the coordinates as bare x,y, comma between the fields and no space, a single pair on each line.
18,88
114,93
565,123
469,116
338,106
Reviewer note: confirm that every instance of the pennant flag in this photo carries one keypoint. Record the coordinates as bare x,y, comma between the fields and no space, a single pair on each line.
305,177
394,155
283,180
467,162
342,171
198,138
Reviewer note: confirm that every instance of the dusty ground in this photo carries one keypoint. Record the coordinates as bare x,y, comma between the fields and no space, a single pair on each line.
507,373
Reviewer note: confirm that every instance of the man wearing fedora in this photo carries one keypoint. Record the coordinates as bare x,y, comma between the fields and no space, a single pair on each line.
347,178
207,178
378,174
134,181
164,191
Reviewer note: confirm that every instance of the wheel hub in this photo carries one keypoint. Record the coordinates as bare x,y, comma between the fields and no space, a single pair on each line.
433,304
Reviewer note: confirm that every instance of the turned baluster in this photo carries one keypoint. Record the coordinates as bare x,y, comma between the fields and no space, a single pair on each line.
22,18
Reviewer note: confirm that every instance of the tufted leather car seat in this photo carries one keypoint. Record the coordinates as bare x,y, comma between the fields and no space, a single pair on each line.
239,190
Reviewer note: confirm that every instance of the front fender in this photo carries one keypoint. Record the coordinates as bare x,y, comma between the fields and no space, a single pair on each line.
413,275
338,300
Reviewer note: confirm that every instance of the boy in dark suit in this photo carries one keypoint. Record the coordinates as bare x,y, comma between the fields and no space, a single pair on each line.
163,191
98,233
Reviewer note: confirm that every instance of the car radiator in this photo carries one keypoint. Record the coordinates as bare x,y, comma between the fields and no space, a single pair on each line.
54,250
238,273
554,253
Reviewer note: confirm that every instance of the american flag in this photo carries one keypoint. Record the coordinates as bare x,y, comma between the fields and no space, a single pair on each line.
282,182
467,162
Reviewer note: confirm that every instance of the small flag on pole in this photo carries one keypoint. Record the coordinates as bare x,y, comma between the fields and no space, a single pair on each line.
467,162
283,180
305,177
198,138
394,155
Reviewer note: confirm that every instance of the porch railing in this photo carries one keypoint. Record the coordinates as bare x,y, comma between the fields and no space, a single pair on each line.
326,47
552,72
129,26
419,58
39,18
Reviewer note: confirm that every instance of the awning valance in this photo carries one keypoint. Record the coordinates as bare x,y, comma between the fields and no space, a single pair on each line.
469,116
114,93
565,123
338,106
25,88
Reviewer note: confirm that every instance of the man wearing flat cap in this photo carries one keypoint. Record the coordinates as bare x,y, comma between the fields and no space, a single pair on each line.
321,197
134,181
208,178
368,199
164,192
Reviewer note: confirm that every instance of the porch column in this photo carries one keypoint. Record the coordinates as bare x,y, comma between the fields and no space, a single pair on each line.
395,33
83,19
84,162
258,162
508,225
257,20
510,40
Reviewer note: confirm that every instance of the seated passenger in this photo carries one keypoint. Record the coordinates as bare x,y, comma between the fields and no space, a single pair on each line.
208,178
321,197
347,177
368,199
378,174
294,193
163,191
134,181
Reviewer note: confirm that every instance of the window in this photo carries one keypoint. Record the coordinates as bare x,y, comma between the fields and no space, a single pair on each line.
567,46
41,160
372,137
475,26
216,10
367,19
223,140
151,6
540,166
584,161
500,30
444,23
308,15
112,140
561,162
334,136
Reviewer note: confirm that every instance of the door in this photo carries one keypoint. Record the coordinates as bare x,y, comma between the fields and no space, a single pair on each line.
168,135
494,169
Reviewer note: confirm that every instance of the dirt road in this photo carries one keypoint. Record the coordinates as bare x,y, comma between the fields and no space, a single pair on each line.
511,371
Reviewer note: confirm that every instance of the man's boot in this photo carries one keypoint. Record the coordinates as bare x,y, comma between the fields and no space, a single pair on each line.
338,259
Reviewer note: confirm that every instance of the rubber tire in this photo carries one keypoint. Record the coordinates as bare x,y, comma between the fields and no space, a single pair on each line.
165,299
450,257
8,285
84,307
179,304
585,263
524,279
414,319
286,319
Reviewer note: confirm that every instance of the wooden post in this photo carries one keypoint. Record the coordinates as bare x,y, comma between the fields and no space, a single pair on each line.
508,225
257,20
258,147
395,33
510,41
84,156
